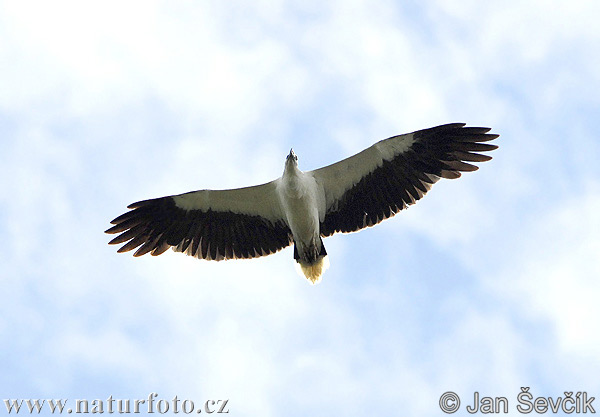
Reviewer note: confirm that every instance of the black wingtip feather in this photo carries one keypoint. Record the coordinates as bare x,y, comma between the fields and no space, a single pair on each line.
160,248
133,243
471,157
149,246
475,130
123,217
143,203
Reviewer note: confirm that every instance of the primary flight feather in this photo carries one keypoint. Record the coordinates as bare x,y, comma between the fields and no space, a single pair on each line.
303,207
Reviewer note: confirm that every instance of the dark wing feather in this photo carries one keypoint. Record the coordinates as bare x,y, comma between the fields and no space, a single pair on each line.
399,175
157,224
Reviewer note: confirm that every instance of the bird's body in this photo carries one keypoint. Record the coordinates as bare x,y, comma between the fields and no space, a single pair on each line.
303,203
300,200
303,207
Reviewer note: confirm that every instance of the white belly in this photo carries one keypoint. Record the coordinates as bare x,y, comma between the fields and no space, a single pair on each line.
300,203
303,220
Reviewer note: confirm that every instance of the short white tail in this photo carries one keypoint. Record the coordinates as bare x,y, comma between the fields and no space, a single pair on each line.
313,272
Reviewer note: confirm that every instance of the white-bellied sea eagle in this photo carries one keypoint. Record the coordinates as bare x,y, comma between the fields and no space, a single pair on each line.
304,207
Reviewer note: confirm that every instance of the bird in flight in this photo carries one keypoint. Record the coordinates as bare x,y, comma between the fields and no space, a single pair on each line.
304,207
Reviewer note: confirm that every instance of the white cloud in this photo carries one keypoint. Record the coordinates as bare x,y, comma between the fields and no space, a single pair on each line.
552,269
233,86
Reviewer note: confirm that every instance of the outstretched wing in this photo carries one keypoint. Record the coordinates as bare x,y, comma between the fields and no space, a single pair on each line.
394,173
208,224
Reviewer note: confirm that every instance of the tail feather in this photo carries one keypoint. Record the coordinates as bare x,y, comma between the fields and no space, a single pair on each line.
311,264
314,272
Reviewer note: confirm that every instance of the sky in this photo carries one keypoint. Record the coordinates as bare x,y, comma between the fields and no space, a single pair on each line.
488,284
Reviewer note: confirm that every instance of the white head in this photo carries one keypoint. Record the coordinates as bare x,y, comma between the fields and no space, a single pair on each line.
292,157
291,160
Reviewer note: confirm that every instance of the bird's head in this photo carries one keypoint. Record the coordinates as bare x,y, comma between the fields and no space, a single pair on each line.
292,158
